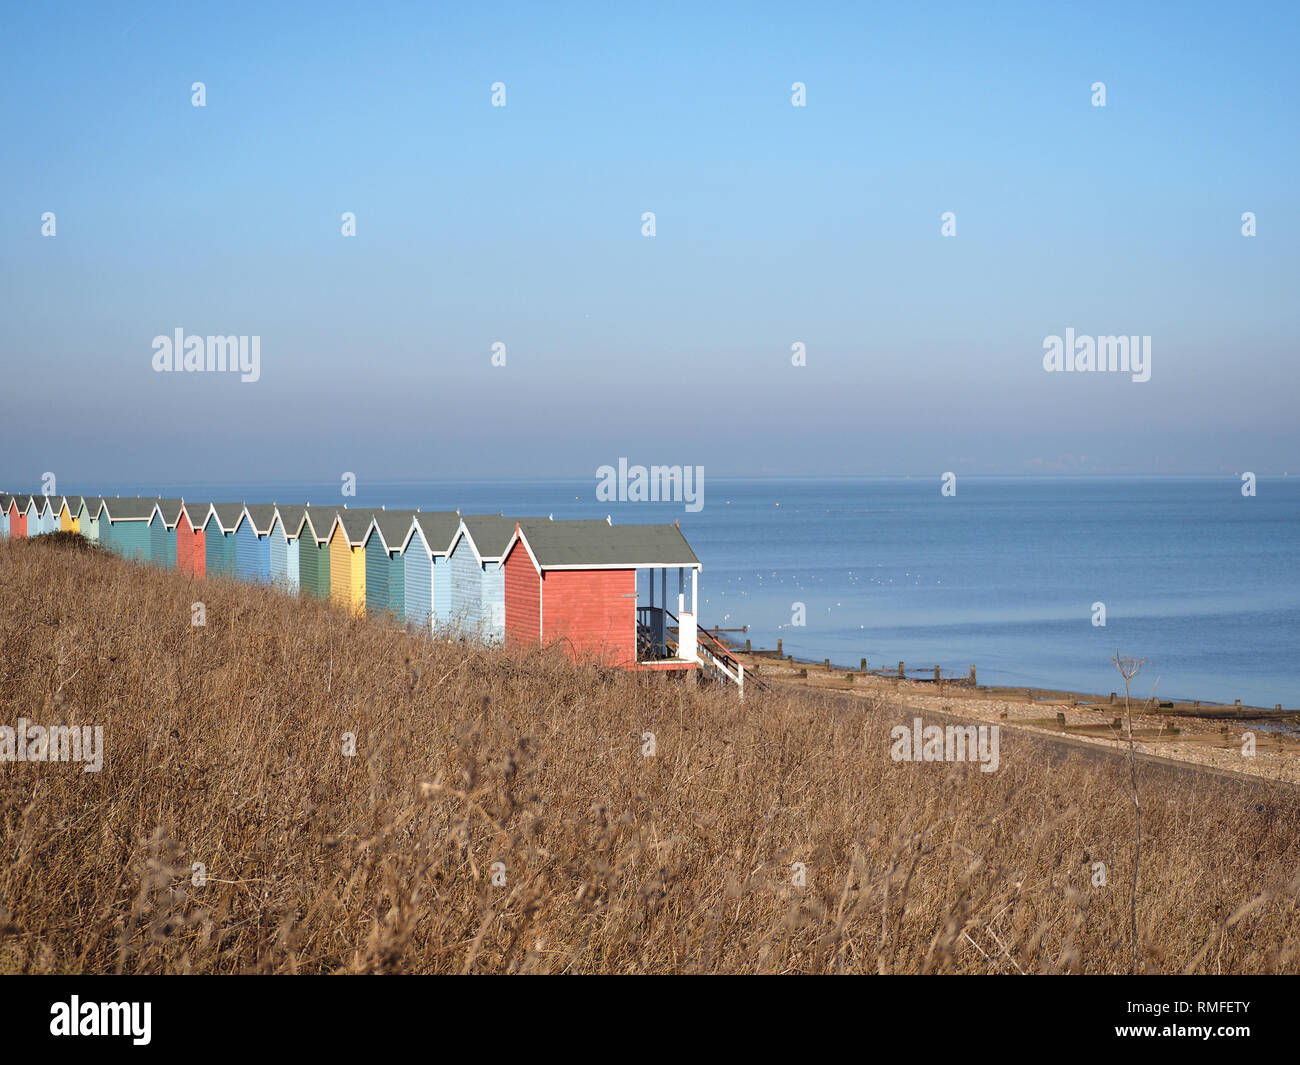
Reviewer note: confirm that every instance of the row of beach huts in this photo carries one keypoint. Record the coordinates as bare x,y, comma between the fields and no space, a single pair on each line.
481,576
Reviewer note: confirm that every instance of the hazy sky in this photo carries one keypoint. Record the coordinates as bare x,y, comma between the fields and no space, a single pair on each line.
522,225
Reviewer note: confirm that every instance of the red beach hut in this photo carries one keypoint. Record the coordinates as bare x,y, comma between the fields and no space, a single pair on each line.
191,553
575,583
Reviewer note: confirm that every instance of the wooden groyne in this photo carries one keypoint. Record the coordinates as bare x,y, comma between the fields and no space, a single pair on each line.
901,672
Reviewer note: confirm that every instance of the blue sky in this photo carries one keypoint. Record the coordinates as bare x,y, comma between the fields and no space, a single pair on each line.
522,225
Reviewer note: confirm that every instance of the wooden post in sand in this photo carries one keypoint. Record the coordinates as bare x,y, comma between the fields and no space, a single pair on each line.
972,678
936,674
864,665
746,647
778,649
900,670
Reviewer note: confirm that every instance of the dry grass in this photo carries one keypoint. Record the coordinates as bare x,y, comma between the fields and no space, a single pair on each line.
224,747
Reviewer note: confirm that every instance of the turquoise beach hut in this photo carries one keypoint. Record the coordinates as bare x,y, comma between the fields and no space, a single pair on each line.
162,532
219,553
385,567
127,523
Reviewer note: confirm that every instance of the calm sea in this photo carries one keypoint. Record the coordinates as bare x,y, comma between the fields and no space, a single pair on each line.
1202,582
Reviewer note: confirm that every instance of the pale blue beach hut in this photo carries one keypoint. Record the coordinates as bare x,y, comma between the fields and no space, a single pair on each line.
286,548
478,589
427,586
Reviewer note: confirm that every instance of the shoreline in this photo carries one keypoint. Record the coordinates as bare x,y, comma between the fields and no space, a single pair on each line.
1212,737
1197,709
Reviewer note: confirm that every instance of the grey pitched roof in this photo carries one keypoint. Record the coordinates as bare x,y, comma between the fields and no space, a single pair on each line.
262,516
355,523
491,533
438,527
577,544
227,515
171,511
196,511
129,509
318,520
291,517
393,526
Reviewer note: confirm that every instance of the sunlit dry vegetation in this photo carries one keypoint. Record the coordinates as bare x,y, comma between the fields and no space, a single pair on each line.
225,747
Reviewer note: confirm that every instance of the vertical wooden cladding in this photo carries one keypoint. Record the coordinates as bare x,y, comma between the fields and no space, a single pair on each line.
477,592
279,553
396,584
466,573
523,598
313,565
17,521
314,551
88,519
347,572
253,544
426,589
131,539
105,528
191,556
162,541
220,557
377,567
285,554
162,532
592,612
417,581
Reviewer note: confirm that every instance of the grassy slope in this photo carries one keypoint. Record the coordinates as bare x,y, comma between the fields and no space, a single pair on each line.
224,747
